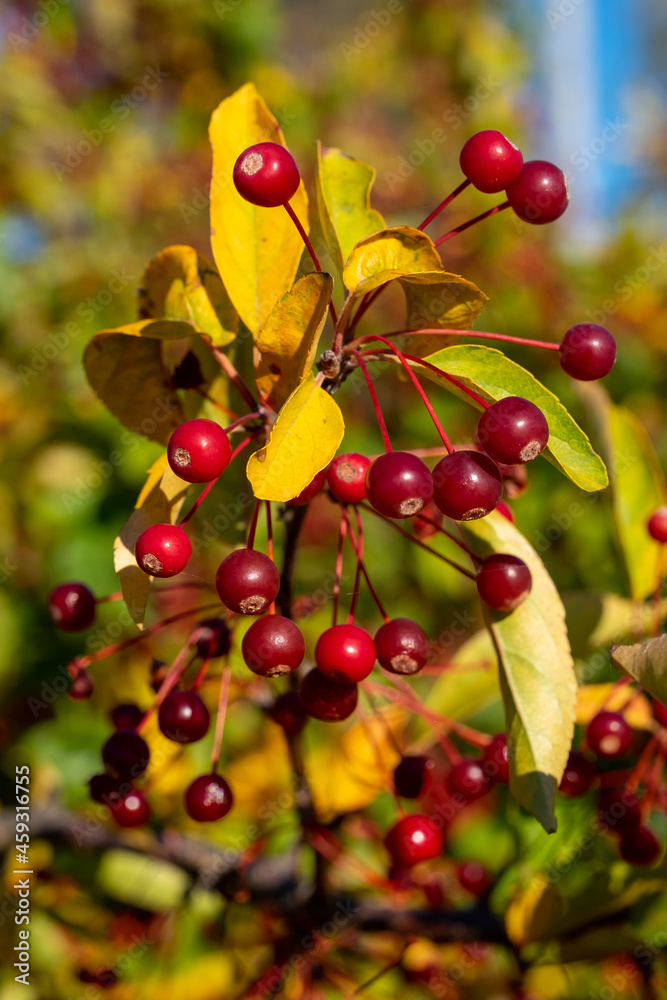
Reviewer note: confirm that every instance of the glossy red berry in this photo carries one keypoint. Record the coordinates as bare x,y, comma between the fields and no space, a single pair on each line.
619,810
163,550
402,646
468,779
105,789
495,759
413,775
587,352
309,492
539,194
578,775
660,713
132,810
213,638
327,699
345,653
513,430
490,161
208,798
288,712
608,735
640,846
125,754
657,525
273,646
467,484
72,607
183,717
266,174
126,716
199,451
247,582
82,687
503,581
413,839
474,877
398,484
346,477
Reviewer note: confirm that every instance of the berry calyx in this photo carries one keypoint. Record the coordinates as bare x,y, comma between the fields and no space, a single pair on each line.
326,699
490,161
467,485
413,839
183,717
578,775
539,194
640,846
126,716
402,646
473,877
213,638
266,174
657,525
309,492
72,607
412,776
273,646
132,810
587,352
468,779
608,735
513,431
398,484
199,451
247,582
163,550
619,810
503,581
495,759
346,477
125,754
208,798
288,712
345,653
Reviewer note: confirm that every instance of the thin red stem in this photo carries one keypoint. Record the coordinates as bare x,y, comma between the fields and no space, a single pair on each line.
201,674
416,541
359,552
223,701
311,250
117,596
252,530
443,204
438,371
269,546
204,395
240,421
376,403
362,564
338,569
205,492
642,764
472,222
232,374
484,334
654,780
178,667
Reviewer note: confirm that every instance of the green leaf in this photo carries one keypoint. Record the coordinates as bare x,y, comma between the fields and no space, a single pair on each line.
137,880
646,662
343,202
493,376
537,677
389,254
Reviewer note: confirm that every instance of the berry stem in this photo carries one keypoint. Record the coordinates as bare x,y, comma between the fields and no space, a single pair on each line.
370,586
269,546
472,222
483,334
201,675
642,765
117,596
359,552
232,374
376,403
443,204
653,783
405,695
450,378
242,420
223,701
311,250
416,541
452,537
338,569
224,409
209,486
178,667
252,530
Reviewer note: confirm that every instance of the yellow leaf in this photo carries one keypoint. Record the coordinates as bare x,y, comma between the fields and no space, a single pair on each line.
438,299
593,697
159,502
303,441
286,346
257,250
389,254
531,913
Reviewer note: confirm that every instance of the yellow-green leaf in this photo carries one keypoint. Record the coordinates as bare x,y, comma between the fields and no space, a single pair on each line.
303,441
256,250
537,676
646,662
593,698
159,502
181,284
286,346
389,254
438,299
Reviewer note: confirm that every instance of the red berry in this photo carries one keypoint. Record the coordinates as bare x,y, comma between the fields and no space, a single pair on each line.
503,581
398,484
513,430
199,451
578,775
468,485
495,759
163,550
72,607
539,194
427,522
345,653
309,492
125,754
660,713
608,735
490,161
474,877
266,174
208,798
506,510
587,352
619,810
346,477
213,638
126,716
183,717
640,846
657,525
413,839
132,810
288,712
105,789
247,582
327,699
82,687
412,776
402,646
468,779
273,646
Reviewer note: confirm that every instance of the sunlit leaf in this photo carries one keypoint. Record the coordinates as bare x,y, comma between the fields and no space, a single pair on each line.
592,698
646,662
389,254
135,879
531,913
438,299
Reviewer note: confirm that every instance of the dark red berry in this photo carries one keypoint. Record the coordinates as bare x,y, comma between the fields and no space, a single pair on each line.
640,846
132,810
183,717
657,525
346,477
660,713
247,582
467,484
398,484
619,810
474,877
578,775
208,798
490,161
213,638
327,699
72,607
266,174
587,352
495,759
427,522
503,581
413,839
402,646
273,646
105,789
468,779
163,550
345,653
125,754
126,716
513,430
288,712
309,492
106,978
82,687
539,194
199,451
608,735
412,776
